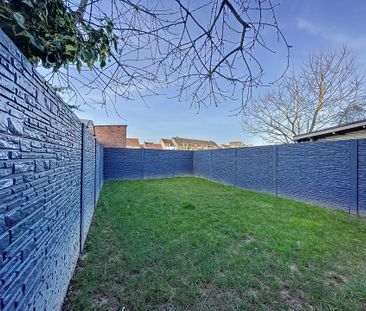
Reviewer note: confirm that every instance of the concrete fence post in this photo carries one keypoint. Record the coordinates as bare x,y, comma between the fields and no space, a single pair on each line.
173,163
142,164
95,173
275,162
235,167
82,185
210,172
194,164
353,194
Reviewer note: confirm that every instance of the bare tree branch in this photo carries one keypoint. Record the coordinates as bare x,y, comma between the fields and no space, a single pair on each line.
207,50
327,91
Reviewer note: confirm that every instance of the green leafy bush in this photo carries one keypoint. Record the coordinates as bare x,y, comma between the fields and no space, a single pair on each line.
47,31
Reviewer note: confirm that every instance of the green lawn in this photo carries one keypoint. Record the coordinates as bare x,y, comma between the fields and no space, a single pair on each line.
192,244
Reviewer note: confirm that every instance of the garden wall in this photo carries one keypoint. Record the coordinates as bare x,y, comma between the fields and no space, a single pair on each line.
120,163
50,177
326,173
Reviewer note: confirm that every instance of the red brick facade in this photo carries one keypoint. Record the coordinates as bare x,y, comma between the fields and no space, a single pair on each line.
111,136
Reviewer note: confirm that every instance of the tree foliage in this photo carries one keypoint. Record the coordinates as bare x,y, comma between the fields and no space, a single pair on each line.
327,91
210,51
47,31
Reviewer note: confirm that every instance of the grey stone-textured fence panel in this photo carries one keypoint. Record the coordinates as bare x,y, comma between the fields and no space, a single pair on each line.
255,168
158,163
202,163
183,163
40,187
223,166
122,163
326,173
315,172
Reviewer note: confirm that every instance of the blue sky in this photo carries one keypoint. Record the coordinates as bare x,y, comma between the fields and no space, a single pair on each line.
308,26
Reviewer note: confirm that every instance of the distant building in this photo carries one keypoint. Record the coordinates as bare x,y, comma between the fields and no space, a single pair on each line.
235,144
354,130
167,144
132,143
150,145
89,125
111,136
193,144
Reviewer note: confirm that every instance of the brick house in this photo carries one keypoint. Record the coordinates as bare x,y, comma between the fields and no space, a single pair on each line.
167,144
111,136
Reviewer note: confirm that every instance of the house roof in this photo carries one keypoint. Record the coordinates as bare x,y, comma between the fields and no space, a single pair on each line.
339,130
195,142
149,145
168,142
235,144
132,142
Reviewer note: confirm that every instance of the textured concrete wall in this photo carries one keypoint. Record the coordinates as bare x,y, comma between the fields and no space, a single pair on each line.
362,176
315,172
223,166
158,163
40,187
98,169
254,168
183,163
122,163
202,163
88,183
146,163
325,173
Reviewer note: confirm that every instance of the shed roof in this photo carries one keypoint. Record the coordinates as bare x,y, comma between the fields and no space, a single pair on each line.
340,129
